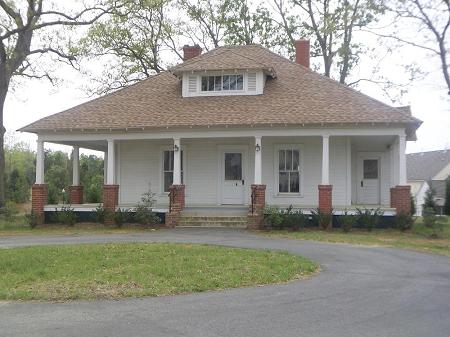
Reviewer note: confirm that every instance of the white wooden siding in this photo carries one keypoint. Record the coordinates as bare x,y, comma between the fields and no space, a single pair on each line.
140,164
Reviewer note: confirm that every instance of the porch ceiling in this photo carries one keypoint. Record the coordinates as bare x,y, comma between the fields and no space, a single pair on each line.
97,145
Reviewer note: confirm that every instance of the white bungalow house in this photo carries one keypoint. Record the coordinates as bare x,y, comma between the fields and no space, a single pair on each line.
233,129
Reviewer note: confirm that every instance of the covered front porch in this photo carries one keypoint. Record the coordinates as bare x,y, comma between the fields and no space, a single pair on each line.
226,171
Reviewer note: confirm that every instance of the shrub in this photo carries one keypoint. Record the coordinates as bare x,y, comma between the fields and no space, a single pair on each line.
413,205
121,216
322,219
447,197
403,221
144,216
369,218
294,219
143,211
430,220
34,219
347,221
273,217
102,214
429,201
9,211
65,216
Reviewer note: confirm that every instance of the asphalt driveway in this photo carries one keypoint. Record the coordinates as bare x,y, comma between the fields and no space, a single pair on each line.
360,292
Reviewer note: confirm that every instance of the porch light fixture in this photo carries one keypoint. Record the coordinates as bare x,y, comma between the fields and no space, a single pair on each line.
257,148
176,148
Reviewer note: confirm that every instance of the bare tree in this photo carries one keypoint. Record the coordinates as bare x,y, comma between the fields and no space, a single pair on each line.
432,19
23,28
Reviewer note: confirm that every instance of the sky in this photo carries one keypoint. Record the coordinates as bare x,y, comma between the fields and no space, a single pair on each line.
35,99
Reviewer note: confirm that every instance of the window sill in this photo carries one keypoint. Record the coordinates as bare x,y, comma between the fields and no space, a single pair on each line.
288,195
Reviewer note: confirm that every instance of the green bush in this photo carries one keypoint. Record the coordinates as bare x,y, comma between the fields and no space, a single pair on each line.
102,214
347,221
121,216
65,216
413,205
294,219
9,211
273,217
34,219
404,221
322,219
431,221
143,211
369,218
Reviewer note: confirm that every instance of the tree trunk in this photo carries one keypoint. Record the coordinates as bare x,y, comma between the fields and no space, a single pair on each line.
3,92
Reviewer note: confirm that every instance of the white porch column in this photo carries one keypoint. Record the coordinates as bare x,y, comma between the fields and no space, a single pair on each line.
40,162
110,166
105,167
325,160
176,161
76,166
258,161
402,160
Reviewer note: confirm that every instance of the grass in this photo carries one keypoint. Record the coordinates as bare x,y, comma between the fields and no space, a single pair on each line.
122,270
418,238
17,225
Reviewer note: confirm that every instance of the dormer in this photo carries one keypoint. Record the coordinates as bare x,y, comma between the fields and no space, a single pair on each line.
221,72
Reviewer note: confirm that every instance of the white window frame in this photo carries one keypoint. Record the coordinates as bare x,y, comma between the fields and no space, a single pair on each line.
161,167
276,160
199,93
222,75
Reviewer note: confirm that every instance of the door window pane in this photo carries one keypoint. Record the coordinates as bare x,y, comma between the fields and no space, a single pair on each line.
370,167
233,166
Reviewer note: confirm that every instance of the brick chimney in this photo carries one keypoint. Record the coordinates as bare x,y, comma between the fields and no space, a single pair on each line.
302,52
191,51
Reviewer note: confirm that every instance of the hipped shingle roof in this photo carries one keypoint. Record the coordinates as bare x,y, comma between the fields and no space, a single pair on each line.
296,96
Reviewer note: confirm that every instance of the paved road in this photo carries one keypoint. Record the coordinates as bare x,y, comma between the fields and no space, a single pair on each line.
360,292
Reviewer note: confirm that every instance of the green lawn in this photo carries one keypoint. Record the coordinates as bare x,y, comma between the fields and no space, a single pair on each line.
121,270
18,226
418,238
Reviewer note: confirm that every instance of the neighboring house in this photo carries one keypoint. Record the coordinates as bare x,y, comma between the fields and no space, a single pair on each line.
427,169
235,128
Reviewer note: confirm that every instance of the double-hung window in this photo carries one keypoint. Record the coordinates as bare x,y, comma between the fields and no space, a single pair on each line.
223,83
289,170
168,169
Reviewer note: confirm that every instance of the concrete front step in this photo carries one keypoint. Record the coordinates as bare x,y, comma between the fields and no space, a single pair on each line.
213,221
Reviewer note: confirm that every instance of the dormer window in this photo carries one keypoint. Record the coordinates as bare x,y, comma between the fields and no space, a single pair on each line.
223,83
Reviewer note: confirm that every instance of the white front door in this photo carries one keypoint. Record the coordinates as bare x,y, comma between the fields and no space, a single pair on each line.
368,184
233,183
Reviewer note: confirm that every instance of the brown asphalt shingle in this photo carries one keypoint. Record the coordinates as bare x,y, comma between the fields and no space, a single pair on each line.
296,96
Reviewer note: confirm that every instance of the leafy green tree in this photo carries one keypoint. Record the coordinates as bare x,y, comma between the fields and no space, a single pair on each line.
134,34
447,197
29,31
91,177
429,201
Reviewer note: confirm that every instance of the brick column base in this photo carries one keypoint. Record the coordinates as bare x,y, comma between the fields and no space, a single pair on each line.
326,202
401,199
176,203
76,194
39,195
255,217
110,201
